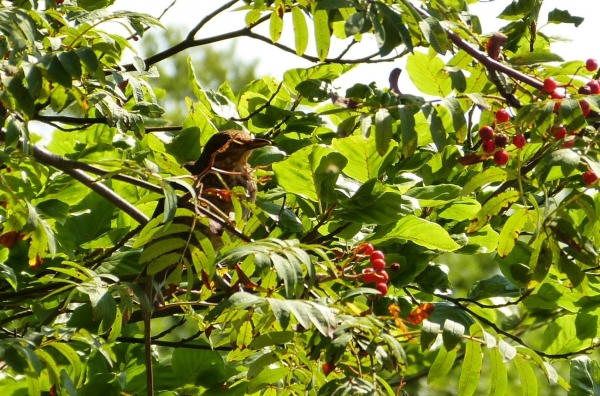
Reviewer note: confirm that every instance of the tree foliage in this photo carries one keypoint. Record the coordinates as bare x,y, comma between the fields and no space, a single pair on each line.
371,165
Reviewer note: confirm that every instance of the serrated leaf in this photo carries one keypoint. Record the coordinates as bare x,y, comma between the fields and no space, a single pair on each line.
364,161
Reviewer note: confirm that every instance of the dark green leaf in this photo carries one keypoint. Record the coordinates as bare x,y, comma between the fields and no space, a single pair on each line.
563,16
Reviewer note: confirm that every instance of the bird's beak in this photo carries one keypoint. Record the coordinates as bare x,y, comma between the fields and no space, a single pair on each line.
257,143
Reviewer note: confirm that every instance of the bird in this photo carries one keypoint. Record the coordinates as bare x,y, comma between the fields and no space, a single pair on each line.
222,165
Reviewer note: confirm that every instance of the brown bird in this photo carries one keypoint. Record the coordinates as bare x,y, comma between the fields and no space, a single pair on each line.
222,166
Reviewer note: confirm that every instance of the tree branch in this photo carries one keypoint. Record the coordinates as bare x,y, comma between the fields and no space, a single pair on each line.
172,344
56,162
188,43
206,19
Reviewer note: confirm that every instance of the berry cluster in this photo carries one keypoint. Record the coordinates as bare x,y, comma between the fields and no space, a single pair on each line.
493,141
591,88
376,274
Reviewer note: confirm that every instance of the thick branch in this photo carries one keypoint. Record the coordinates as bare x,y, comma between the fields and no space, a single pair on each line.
55,161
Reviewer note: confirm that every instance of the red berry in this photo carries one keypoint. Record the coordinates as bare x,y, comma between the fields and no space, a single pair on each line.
550,85
557,95
377,254
135,37
368,275
560,134
589,177
378,264
489,146
571,142
382,276
501,140
486,132
556,107
585,107
584,90
591,64
382,288
502,115
367,249
328,367
519,141
501,157
60,1
594,86
395,267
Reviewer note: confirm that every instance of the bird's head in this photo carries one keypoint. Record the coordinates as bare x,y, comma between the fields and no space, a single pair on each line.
230,150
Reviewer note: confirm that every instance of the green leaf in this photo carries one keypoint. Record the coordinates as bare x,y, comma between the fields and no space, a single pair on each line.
428,76
357,23
322,33
300,30
311,172
511,231
491,208
88,57
364,161
435,35
17,89
567,334
529,384
272,338
70,61
531,58
472,364
276,22
563,16
434,195
585,377
58,73
421,232
375,203
452,333
198,367
408,132
383,131
499,378
442,364
488,176
429,334
464,209
496,286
